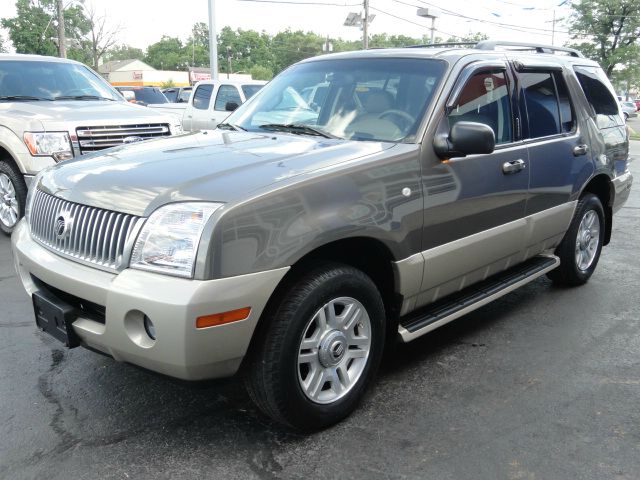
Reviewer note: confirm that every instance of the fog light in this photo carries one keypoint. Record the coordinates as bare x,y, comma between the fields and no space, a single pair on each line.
149,328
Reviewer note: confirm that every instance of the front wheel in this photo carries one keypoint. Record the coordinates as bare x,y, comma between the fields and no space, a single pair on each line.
13,195
580,248
319,348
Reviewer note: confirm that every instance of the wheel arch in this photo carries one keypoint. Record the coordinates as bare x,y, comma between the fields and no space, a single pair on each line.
601,186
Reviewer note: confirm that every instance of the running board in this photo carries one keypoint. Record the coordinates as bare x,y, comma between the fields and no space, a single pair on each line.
456,305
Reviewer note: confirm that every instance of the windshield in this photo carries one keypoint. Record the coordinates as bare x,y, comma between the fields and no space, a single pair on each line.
52,80
380,99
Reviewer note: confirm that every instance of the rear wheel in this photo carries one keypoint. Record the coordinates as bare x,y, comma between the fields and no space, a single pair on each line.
580,248
320,348
13,195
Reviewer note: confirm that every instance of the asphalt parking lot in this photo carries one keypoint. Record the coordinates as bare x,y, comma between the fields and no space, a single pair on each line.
542,384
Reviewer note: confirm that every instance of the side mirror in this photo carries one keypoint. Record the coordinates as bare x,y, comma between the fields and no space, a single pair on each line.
230,106
465,138
128,95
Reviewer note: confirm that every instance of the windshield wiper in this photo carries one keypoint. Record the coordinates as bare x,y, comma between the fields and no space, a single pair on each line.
83,97
298,129
26,98
230,126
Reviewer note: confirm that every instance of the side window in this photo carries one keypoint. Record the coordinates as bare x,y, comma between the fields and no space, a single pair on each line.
202,97
567,116
540,102
485,99
600,96
226,93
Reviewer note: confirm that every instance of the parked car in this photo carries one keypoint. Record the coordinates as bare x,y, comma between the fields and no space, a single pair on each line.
177,94
212,101
142,95
629,109
53,110
415,191
637,103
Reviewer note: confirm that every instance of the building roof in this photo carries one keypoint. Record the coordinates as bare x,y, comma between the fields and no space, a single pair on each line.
123,65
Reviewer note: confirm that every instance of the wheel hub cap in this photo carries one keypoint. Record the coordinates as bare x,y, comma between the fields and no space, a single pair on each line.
587,240
9,204
332,348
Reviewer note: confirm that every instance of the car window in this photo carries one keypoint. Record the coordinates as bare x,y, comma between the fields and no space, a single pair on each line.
600,96
202,97
226,94
369,99
539,105
184,95
146,95
567,115
485,99
250,90
171,94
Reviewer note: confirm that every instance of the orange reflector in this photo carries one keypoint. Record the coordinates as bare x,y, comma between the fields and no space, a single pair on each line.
222,318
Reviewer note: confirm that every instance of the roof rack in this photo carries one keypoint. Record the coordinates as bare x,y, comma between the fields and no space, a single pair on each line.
446,44
522,46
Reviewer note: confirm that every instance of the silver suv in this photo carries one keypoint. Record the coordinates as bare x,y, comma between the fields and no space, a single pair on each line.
294,242
53,110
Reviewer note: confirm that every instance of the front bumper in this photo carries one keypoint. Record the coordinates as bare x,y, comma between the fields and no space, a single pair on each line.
173,304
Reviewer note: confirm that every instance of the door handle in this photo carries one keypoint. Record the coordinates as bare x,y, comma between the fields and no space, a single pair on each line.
513,166
580,150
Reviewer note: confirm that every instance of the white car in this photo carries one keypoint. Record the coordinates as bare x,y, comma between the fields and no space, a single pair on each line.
629,110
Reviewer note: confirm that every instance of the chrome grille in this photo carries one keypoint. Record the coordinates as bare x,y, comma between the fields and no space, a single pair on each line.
96,236
91,139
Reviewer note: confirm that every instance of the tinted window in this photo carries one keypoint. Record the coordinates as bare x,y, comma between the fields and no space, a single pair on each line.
202,97
599,95
226,93
146,95
184,95
539,101
171,94
485,99
250,90
566,108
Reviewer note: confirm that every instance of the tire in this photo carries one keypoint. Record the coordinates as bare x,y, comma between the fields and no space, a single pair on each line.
13,196
315,387
626,116
580,248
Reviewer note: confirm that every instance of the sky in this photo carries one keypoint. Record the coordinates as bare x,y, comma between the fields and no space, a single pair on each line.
143,22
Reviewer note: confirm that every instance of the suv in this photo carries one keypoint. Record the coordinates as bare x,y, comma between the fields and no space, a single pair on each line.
53,110
294,242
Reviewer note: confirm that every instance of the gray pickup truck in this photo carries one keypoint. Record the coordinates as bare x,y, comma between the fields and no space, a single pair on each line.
296,240
53,110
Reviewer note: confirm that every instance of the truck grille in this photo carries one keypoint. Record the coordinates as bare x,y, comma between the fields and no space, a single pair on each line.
91,139
86,234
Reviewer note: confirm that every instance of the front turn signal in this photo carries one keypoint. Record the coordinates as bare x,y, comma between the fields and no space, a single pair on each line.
223,318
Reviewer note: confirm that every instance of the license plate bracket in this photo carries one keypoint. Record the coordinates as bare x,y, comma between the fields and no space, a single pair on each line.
55,317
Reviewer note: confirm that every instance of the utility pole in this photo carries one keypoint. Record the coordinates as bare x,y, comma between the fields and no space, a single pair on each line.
553,29
213,41
229,55
365,26
62,47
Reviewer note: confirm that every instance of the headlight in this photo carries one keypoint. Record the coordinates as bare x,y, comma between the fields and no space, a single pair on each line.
49,144
168,242
176,129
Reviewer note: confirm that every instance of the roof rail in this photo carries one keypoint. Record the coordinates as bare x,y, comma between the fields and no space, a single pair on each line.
492,44
446,44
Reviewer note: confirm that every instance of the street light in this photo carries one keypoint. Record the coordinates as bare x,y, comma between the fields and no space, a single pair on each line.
431,13
358,20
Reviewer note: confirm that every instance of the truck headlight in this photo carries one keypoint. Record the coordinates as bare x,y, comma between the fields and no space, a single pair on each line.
176,129
168,241
49,144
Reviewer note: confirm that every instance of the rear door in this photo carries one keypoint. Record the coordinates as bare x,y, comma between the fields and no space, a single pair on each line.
475,206
197,114
558,151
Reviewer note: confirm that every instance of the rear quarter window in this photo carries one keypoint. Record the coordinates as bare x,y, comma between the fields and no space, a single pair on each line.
600,96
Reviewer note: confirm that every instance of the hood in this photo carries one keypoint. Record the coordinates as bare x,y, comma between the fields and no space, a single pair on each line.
65,115
211,166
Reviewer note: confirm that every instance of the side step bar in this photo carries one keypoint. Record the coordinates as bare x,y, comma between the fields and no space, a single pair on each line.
456,305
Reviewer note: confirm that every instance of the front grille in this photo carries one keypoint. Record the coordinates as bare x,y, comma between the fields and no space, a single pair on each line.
91,139
94,235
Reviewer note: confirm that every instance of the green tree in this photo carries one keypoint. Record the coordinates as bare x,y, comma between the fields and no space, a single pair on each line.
167,54
607,31
259,72
3,47
34,28
290,47
123,52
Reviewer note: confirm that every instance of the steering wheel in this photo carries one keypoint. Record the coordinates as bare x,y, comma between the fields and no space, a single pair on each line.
406,122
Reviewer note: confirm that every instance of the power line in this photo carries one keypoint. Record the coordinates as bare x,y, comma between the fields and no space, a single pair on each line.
328,4
410,21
